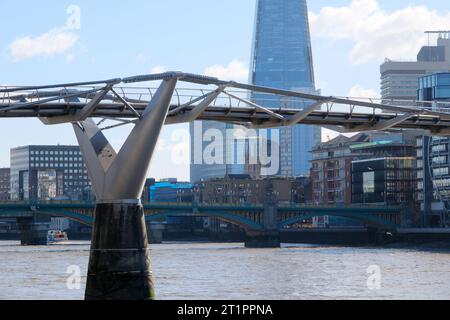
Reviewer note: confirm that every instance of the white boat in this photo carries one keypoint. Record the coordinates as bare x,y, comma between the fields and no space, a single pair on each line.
56,236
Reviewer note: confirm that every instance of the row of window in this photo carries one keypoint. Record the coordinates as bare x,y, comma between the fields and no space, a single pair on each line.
434,80
61,153
76,183
439,148
440,171
79,159
440,160
57,165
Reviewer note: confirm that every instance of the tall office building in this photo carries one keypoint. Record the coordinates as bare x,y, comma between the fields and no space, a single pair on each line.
48,172
5,184
400,79
201,168
282,58
433,157
422,80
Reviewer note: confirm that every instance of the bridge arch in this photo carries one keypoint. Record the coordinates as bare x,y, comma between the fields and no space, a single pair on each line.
71,215
232,218
235,219
369,220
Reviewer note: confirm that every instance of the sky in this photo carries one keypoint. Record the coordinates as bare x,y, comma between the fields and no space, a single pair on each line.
47,41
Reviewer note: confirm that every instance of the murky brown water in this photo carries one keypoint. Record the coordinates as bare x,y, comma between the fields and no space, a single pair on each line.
229,271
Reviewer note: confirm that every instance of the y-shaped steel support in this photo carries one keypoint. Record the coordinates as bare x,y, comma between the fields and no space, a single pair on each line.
119,263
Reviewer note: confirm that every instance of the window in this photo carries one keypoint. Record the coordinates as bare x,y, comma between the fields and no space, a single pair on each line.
443,79
440,171
442,92
440,160
419,153
369,182
420,142
439,148
420,174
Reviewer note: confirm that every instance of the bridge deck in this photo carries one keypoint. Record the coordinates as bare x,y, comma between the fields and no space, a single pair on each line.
246,215
231,102
238,115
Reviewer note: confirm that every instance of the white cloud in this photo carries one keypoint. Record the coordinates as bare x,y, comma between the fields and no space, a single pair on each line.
158,69
359,92
54,42
378,34
236,70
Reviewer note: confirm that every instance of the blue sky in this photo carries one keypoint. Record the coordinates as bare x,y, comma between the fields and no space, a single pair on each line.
121,38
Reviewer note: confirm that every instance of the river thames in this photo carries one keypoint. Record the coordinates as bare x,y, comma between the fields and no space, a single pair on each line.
230,271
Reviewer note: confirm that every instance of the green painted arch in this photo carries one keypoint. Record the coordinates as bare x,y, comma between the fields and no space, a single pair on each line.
241,221
367,219
225,216
78,217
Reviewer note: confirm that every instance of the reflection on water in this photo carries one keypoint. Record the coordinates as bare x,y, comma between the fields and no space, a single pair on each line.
230,271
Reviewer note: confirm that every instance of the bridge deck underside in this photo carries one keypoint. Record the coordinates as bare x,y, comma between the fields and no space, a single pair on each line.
235,115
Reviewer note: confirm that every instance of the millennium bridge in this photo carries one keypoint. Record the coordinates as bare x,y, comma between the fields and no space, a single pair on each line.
119,264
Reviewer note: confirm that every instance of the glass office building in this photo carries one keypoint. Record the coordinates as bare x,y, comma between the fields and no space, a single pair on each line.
433,156
5,185
282,58
434,87
48,173
388,181
399,79
200,169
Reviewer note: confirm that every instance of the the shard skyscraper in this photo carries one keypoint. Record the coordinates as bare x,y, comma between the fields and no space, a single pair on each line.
282,58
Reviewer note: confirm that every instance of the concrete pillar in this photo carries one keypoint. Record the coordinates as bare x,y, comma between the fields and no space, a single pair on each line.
379,236
262,239
269,237
32,233
155,232
119,263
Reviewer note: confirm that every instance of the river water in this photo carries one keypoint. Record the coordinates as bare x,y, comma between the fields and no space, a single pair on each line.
230,271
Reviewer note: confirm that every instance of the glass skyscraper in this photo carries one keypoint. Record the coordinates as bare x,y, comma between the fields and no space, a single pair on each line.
199,168
282,58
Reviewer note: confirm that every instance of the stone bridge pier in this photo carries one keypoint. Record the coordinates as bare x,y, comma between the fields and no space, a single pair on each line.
380,236
269,237
32,233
